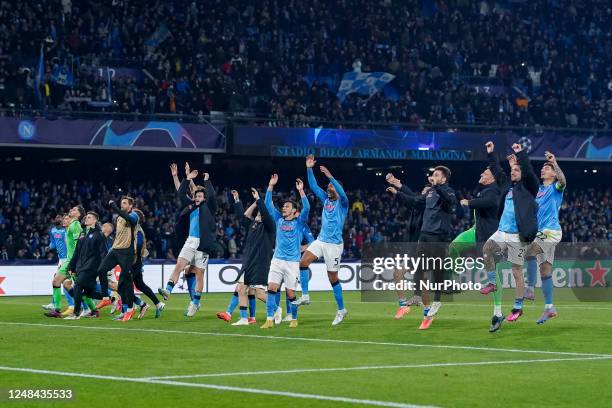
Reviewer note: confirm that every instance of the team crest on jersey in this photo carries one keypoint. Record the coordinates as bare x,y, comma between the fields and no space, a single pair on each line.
330,206
287,227
541,194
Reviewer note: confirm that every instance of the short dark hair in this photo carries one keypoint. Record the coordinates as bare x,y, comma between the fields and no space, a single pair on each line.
293,203
445,170
199,190
129,199
547,164
81,211
95,214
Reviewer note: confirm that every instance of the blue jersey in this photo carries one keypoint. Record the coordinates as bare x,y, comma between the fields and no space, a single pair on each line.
289,233
549,200
194,224
507,223
307,234
334,211
58,242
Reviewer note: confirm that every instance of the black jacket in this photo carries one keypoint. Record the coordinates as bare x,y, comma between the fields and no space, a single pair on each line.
523,194
439,203
89,252
414,215
486,208
258,246
208,208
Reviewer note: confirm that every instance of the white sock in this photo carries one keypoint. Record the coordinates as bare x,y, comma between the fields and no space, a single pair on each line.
548,306
530,287
497,311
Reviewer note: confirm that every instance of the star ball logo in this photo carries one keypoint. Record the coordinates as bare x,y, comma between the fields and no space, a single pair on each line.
26,130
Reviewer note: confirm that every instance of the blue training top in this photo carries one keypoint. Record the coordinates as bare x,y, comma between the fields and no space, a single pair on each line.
334,211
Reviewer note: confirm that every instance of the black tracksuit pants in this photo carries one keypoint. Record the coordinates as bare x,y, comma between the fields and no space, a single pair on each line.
125,259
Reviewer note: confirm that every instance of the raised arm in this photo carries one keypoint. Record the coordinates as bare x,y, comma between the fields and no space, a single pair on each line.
174,173
299,184
276,215
337,186
561,181
494,166
185,186
131,217
243,216
211,195
266,218
529,178
312,180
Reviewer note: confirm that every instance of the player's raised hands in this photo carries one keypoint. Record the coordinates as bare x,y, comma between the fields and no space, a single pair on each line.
550,157
325,171
464,202
490,146
192,174
187,168
517,147
206,176
273,180
391,179
310,161
235,195
299,184
391,190
511,159
255,193
174,169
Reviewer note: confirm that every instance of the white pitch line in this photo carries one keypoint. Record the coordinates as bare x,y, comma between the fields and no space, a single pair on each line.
220,388
379,367
314,339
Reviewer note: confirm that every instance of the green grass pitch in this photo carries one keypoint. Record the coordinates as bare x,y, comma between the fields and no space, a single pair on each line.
370,359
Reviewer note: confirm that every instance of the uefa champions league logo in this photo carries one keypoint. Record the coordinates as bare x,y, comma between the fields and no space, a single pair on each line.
26,130
526,143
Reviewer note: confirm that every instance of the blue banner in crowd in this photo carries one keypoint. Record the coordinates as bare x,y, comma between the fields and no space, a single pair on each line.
363,83
159,36
62,75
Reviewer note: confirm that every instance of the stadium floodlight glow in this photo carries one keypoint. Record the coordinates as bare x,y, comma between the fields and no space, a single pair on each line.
594,170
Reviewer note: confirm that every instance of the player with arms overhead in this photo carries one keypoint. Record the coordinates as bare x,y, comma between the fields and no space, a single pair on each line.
329,244
285,265
549,199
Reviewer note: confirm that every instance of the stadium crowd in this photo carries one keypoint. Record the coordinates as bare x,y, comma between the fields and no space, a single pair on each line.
524,63
27,209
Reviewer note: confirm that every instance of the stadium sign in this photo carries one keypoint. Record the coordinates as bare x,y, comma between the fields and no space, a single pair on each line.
356,153
397,144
